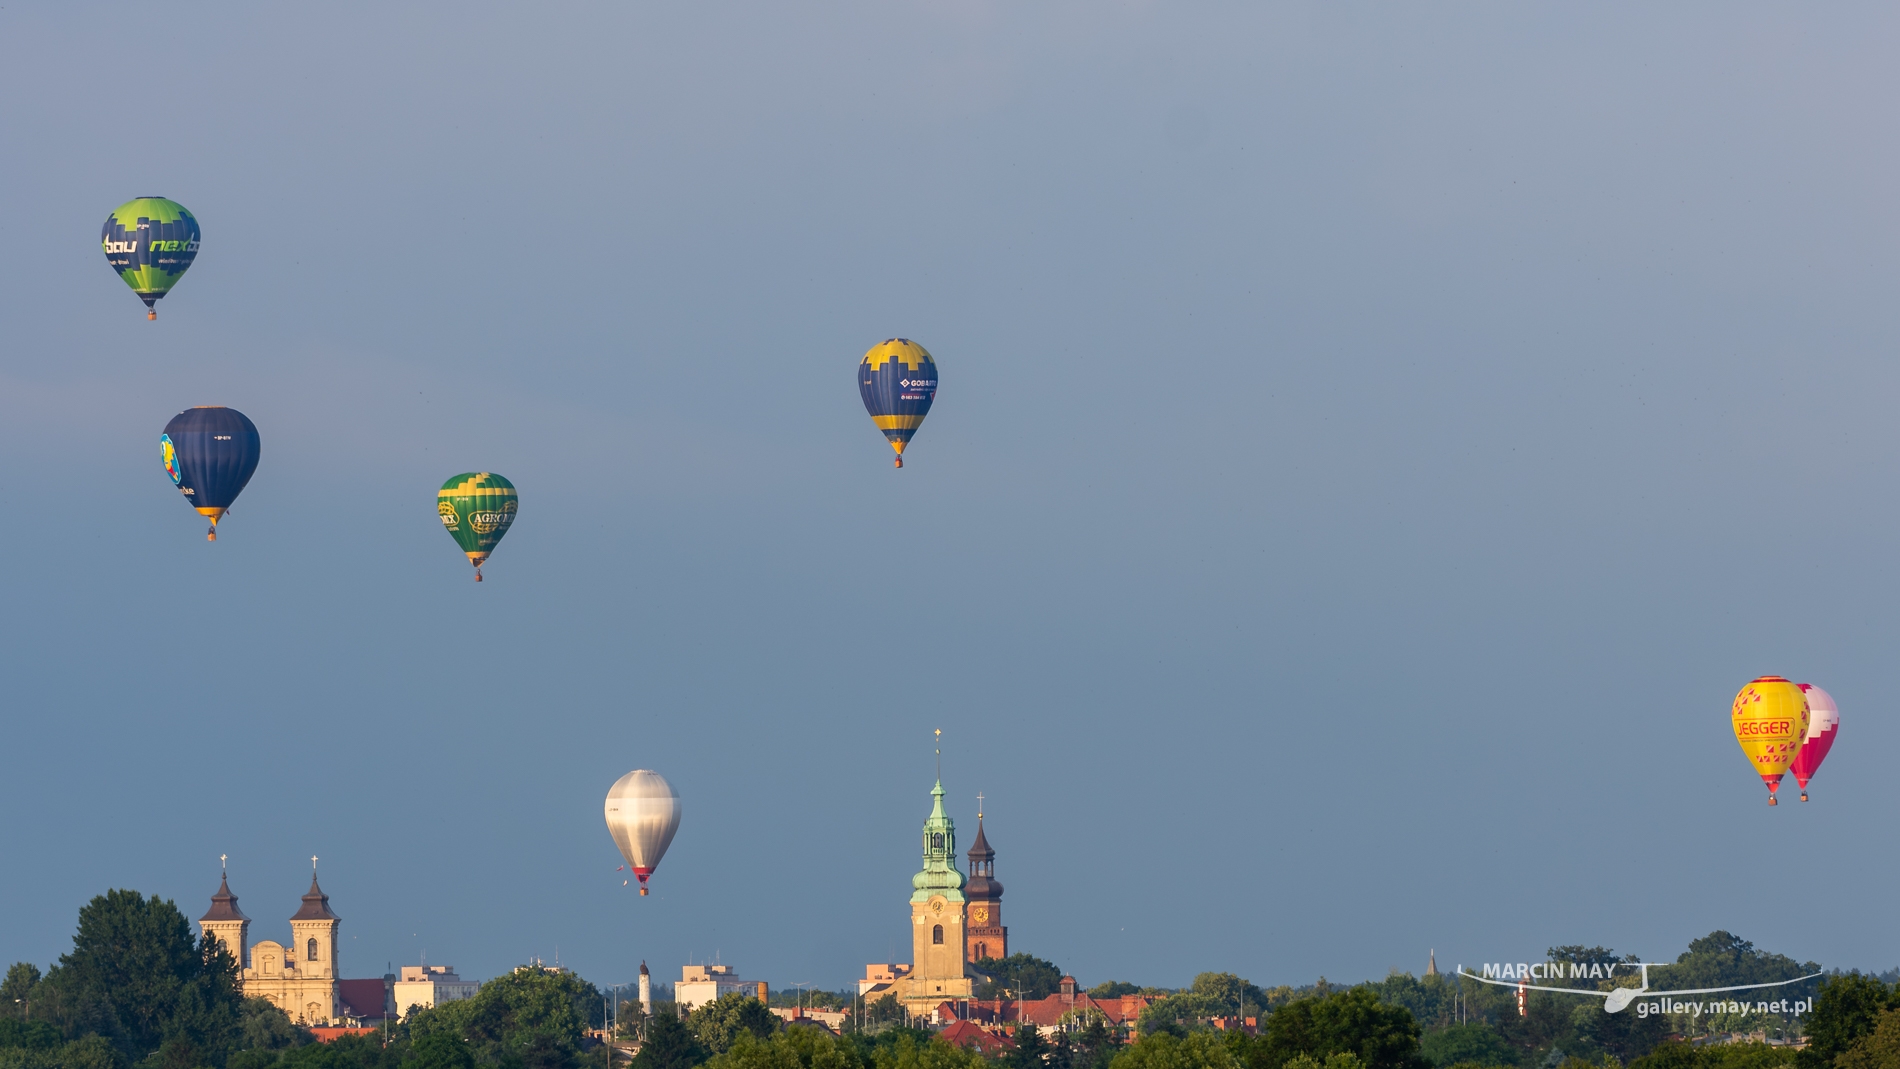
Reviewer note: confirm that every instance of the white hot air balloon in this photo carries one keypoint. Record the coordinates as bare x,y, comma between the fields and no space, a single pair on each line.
643,812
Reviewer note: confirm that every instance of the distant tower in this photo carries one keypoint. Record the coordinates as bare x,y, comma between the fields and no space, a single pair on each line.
313,937
227,923
938,972
986,935
1431,963
646,990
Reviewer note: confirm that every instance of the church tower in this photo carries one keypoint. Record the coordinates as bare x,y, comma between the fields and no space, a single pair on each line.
313,937
227,923
937,972
985,934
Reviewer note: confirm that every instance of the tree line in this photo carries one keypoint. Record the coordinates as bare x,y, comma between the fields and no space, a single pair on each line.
137,991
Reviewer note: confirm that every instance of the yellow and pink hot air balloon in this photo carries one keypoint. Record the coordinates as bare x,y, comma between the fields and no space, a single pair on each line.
1770,718
1824,718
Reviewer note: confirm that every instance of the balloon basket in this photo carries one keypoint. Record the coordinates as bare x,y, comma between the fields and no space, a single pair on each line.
1771,800
898,463
478,577
643,892
211,535
151,314
1804,796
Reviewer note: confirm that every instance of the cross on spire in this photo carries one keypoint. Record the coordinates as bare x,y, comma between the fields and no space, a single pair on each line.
979,805
939,755
222,859
313,864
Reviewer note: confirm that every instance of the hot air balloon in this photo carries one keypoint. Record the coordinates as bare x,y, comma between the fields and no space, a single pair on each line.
897,379
477,507
150,242
1824,717
1770,717
643,812
210,452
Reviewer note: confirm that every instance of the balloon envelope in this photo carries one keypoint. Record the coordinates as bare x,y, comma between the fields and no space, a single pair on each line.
1824,717
477,508
210,452
898,380
150,242
1770,718
643,812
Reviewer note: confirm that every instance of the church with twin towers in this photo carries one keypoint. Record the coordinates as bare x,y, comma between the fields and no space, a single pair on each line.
303,977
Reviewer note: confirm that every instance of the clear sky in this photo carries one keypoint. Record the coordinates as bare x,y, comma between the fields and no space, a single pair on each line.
1375,444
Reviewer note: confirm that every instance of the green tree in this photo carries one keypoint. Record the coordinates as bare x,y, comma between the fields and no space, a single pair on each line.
669,1044
1353,1021
1673,1054
1626,1035
1023,976
1165,1050
719,1022
1115,989
262,1026
17,989
91,1052
1095,1045
1030,1048
1477,1044
1745,1056
18,1034
136,977
1225,994
1846,1008
1429,998
1676,1054
441,1050
529,1016
1879,1049
1720,959
793,1048
1589,961
883,1010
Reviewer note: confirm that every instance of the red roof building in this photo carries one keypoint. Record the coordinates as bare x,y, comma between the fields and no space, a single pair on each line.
973,1036
1066,1010
325,1033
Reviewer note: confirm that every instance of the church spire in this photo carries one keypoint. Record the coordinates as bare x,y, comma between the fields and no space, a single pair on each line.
982,882
940,874
316,904
224,905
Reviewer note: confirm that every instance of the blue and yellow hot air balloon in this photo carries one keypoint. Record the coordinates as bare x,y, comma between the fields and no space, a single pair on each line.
897,380
210,452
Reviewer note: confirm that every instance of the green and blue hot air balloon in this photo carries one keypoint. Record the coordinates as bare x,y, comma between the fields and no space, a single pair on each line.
897,379
150,242
477,507
210,452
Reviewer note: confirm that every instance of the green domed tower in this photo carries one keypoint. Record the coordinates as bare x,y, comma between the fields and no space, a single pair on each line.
936,918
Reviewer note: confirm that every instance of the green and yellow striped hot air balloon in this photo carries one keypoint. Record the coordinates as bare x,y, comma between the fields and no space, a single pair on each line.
150,242
477,507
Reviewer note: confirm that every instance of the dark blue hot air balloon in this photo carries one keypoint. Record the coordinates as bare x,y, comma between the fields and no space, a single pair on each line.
210,452
898,380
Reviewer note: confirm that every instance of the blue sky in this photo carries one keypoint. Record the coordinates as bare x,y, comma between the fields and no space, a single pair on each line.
1374,446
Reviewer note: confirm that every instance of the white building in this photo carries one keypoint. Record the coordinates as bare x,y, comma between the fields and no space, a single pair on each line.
700,984
430,986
